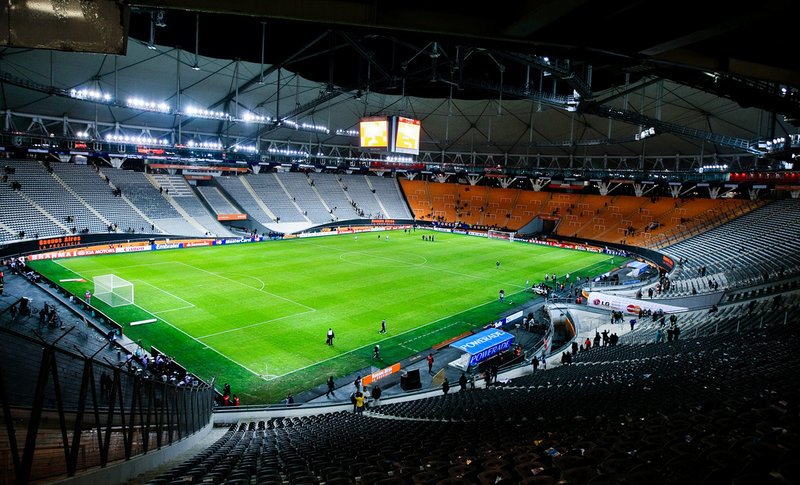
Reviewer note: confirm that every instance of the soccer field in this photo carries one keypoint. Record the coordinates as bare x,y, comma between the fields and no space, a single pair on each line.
256,315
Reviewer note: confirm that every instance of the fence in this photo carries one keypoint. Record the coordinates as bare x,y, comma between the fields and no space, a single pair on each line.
65,412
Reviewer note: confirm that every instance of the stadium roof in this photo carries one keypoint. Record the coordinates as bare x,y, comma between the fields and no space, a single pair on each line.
553,78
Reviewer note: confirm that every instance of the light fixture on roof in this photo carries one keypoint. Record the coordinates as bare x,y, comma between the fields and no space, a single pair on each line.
254,118
144,104
645,133
207,113
90,94
160,22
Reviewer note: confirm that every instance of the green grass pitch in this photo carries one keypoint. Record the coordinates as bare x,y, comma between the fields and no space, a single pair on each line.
256,315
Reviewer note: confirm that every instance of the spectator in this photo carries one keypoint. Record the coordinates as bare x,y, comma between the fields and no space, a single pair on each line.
376,395
330,387
359,396
445,386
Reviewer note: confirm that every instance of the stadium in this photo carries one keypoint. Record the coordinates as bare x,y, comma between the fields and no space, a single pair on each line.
348,242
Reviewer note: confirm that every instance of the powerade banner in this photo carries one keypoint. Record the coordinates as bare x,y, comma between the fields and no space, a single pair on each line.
629,305
484,344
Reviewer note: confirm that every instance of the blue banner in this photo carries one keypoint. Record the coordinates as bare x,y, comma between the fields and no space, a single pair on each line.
484,344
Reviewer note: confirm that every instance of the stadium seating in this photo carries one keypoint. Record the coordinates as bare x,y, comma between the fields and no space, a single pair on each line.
417,196
298,185
216,200
267,186
85,181
678,412
185,197
331,191
34,224
361,193
499,204
147,199
388,192
45,191
754,248
235,187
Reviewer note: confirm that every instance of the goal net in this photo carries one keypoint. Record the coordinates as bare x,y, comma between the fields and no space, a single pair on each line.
508,236
113,290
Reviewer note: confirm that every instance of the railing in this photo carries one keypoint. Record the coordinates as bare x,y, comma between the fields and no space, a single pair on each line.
66,412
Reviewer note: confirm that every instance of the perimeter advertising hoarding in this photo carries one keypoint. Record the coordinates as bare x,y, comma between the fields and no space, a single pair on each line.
380,374
231,217
627,305
484,344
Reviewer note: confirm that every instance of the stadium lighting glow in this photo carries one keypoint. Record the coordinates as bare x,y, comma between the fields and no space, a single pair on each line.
207,145
205,113
713,168
138,139
320,128
396,158
82,134
253,118
286,151
245,148
90,94
139,103
347,132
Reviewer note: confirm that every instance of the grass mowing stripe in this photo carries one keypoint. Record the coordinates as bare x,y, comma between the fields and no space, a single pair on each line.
240,283
393,337
425,264
254,301
256,324
176,328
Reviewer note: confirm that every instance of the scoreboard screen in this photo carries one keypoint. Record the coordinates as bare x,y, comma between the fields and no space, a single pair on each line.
406,139
374,132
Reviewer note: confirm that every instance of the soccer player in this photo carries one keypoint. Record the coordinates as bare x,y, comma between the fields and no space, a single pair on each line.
356,238
330,337
383,326
498,265
376,352
502,295
387,238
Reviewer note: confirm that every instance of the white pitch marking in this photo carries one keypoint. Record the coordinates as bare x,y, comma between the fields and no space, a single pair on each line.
142,322
179,329
256,324
242,284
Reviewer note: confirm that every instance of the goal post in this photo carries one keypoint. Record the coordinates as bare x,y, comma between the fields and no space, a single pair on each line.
113,290
508,236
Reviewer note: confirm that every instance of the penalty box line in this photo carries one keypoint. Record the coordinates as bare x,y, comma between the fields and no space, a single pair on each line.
248,286
394,336
173,326
188,303
256,324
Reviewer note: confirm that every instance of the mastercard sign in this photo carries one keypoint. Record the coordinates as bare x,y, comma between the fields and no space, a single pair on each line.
632,309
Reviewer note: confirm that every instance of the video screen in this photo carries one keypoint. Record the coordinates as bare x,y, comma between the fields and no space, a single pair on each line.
407,136
374,132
